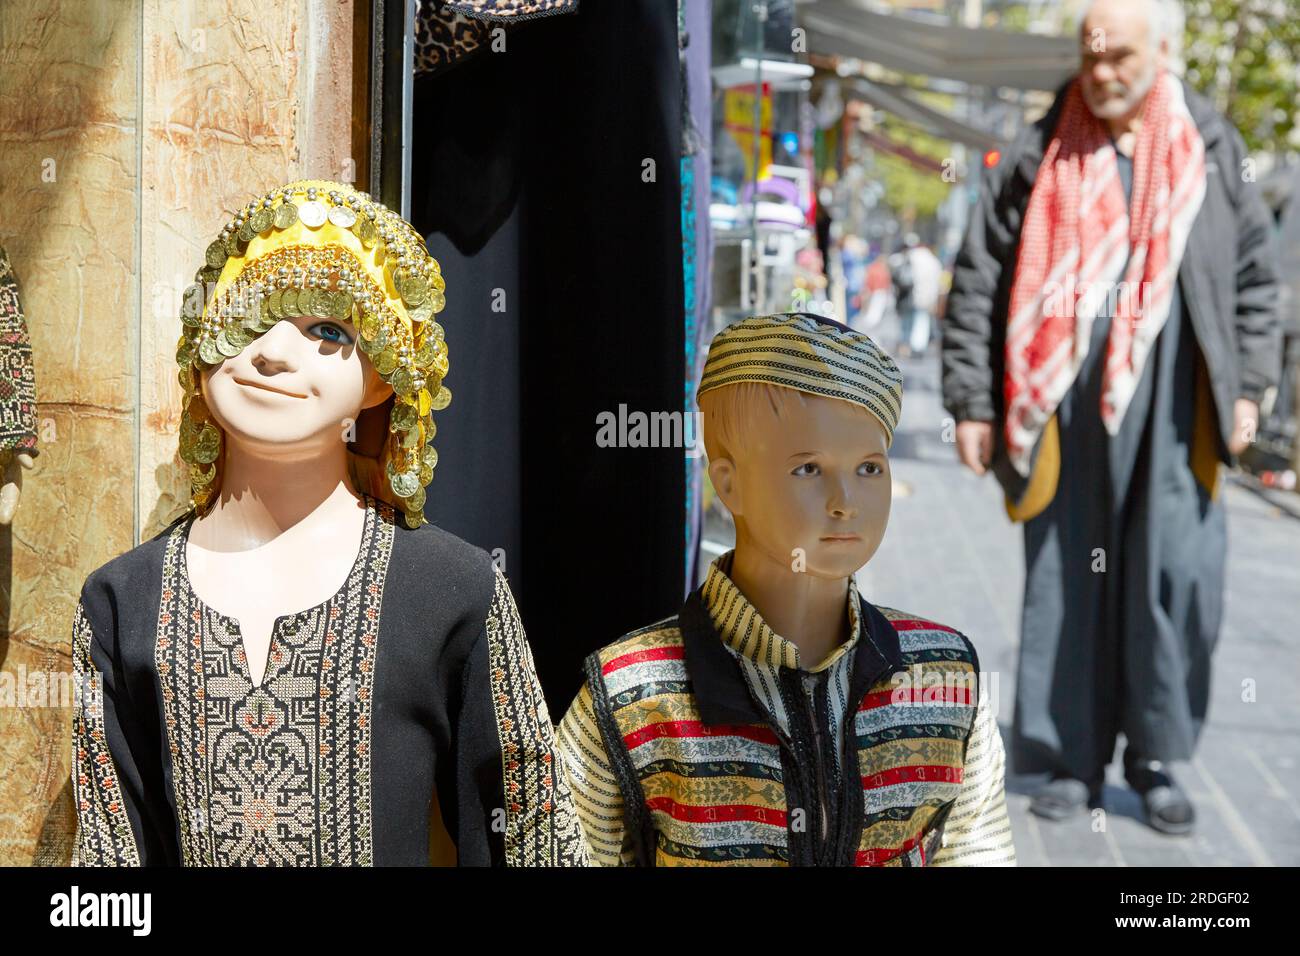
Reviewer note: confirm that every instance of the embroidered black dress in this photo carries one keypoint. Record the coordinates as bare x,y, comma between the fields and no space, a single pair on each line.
414,682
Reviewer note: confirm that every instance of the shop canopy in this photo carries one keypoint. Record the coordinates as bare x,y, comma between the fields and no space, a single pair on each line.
900,103
979,57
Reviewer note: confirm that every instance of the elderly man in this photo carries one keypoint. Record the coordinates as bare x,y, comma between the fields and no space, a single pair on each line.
1110,331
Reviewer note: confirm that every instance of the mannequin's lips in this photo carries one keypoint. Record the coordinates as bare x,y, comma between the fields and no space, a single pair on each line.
268,388
845,538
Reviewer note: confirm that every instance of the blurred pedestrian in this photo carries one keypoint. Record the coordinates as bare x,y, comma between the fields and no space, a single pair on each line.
927,276
1109,333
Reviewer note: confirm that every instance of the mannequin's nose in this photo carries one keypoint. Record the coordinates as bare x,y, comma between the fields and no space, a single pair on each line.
273,351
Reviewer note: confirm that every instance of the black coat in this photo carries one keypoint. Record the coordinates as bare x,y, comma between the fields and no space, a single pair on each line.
1232,298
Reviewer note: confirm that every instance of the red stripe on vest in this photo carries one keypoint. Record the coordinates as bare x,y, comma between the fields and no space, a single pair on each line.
717,813
927,772
638,657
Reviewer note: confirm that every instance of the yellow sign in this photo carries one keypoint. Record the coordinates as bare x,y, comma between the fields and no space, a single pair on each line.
738,118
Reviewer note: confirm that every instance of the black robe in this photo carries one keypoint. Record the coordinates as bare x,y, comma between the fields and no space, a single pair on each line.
1124,649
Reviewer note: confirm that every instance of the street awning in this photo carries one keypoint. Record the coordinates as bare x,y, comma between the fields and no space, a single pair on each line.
906,107
992,58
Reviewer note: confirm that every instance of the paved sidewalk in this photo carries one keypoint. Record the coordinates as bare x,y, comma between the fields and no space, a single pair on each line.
952,555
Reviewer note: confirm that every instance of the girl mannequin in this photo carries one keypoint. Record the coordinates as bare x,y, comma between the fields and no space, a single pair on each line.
288,674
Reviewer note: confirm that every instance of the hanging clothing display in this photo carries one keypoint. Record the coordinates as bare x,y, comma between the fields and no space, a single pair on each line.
17,371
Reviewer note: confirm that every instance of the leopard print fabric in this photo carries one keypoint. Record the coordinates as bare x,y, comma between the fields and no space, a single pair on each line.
449,31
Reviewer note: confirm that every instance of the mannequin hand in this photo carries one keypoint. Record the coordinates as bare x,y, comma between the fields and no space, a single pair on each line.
975,445
13,483
1245,425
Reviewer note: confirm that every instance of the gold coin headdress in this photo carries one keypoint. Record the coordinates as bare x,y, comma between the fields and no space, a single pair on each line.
325,250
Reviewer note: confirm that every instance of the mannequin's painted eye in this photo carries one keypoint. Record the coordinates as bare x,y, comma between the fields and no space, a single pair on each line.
871,468
807,469
330,333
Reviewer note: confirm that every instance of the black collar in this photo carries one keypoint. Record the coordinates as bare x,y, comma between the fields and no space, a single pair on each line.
721,693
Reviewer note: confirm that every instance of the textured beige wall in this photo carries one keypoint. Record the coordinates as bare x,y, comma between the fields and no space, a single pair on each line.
129,129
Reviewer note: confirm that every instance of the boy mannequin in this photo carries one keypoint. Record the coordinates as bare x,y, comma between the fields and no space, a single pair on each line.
768,723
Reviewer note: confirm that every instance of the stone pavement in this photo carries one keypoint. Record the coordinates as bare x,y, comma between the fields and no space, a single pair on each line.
951,555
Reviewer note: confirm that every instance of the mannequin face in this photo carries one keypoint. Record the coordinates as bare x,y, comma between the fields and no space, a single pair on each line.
294,387
815,478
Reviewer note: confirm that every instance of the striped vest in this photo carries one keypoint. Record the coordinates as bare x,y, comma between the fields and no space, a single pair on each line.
707,778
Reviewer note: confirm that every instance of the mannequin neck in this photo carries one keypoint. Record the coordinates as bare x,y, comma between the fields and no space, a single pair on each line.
809,611
263,493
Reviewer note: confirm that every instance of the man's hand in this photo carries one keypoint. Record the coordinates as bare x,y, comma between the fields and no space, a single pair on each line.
1245,425
975,445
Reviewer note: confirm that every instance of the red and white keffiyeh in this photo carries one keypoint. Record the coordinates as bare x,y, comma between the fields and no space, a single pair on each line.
1076,237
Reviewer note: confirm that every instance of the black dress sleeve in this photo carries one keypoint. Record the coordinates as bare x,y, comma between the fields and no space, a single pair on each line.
514,806
107,785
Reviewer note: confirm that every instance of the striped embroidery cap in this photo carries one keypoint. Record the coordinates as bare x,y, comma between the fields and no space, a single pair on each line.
810,354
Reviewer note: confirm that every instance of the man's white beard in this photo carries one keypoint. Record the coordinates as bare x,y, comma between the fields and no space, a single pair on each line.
1127,99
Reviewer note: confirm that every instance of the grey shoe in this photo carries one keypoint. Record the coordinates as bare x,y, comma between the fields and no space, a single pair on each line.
1168,808
1061,797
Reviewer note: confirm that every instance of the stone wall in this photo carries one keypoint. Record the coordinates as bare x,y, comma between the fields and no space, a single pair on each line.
129,129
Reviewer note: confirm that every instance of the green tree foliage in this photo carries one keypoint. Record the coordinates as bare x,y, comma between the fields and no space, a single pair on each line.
1245,55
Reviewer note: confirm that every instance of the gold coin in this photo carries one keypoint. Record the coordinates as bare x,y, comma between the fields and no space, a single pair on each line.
246,232
438,301
437,283
201,477
365,230
381,340
413,521
184,378
404,484
422,312
208,352
414,290
425,402
208,445
343,303
415,501
369,325
428,457
262,220
215,256
442,399
342,216
208,275
368,346
312,214
286,214
225,346
233,245
426,472
385,361
273,303
425,354
291,303
403,382
237,336
437,333
322,303
404,417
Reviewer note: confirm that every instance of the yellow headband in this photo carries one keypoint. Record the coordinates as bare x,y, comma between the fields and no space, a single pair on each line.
322,249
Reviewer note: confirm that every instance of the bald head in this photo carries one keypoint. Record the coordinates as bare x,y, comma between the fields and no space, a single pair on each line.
1123,43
